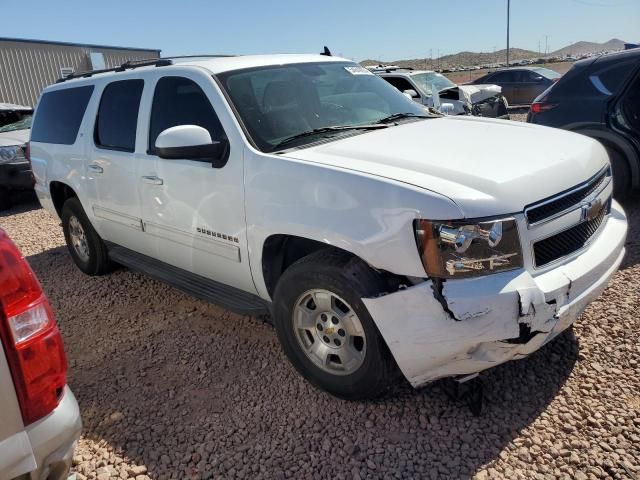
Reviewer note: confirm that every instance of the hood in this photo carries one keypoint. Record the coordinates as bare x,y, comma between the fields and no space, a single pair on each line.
16,137
478,93
487,167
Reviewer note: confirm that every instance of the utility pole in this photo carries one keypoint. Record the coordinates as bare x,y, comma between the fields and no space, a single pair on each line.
546,44
508,17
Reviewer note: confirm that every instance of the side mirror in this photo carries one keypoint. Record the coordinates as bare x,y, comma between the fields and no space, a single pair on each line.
447,108
191,142
411,93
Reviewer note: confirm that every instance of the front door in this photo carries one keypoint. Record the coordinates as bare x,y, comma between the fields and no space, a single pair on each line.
193,212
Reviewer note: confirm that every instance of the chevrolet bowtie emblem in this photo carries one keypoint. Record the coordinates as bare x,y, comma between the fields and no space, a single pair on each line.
591,210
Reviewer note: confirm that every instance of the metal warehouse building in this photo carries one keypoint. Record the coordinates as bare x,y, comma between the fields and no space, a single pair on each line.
27,66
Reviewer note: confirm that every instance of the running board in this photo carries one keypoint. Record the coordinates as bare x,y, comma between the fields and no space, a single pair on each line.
201,287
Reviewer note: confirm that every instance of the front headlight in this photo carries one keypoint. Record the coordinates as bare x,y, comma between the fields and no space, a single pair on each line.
457,249
11,154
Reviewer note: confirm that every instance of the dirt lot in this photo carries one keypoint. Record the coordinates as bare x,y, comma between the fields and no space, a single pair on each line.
172,387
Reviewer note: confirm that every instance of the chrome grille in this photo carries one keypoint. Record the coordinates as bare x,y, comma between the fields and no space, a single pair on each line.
554,206
568,241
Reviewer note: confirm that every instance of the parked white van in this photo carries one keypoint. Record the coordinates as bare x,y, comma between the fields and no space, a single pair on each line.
378,235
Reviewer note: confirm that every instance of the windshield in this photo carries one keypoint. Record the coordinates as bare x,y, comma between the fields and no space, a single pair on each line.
23,124
276,103
426,80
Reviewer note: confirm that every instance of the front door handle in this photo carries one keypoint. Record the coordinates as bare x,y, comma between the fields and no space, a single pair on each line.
152,180
96,168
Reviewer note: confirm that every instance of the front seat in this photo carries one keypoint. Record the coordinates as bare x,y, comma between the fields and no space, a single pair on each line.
283,106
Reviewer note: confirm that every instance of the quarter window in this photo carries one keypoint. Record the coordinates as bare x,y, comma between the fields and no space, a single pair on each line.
60,114
180,101
117,119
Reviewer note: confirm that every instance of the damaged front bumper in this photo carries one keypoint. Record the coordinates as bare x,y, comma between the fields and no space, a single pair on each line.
493,319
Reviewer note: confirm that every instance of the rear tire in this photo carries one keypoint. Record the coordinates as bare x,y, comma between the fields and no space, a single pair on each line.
325,329
85,245
621,174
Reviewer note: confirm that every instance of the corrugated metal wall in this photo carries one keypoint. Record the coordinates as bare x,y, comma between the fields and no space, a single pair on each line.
27,67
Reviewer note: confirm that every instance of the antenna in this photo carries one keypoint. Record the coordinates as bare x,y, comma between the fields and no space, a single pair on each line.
326,52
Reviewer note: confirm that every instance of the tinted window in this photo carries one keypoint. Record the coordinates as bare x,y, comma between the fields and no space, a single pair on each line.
504,77
400,83
613,76
180,101
118,115
59,115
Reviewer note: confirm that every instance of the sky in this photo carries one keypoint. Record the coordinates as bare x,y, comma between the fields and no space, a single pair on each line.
358,29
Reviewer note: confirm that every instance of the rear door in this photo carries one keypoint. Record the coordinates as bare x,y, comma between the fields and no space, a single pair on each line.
193,212
113,166
506,80
531,84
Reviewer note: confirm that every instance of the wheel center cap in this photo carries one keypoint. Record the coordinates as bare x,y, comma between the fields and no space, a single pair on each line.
329,330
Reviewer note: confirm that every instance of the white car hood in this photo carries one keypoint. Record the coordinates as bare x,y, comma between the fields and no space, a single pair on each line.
17,137
478,93
487,167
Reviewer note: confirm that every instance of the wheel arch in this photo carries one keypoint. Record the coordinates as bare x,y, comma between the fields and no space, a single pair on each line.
616,141
60,193
280,251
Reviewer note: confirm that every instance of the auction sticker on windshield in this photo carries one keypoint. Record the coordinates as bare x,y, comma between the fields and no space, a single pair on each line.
357,70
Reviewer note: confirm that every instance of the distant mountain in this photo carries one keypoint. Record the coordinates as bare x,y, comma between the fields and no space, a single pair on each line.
500,56
582,48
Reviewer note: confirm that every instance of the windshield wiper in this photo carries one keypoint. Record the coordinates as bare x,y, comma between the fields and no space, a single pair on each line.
398,116
317,131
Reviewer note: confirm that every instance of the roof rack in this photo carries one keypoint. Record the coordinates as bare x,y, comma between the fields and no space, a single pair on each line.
387,68
131,64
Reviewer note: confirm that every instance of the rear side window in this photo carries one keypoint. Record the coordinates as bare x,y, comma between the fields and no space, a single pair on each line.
118,115
180,101
610,78
504,77
60,114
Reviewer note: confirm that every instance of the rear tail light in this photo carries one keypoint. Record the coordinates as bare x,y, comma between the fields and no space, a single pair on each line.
30,336
541,107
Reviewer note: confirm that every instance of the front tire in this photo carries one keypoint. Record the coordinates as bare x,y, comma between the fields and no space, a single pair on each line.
85,245
325,329
5,198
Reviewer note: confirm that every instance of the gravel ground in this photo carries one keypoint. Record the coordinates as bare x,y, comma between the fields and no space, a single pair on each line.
173,387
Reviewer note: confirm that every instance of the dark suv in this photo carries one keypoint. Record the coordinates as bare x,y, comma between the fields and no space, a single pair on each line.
600,97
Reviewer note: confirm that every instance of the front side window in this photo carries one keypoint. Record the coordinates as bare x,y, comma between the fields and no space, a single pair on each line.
400,83
117,118
180,101
279,102
60,114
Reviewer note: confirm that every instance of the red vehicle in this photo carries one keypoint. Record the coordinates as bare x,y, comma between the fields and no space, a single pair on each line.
39,417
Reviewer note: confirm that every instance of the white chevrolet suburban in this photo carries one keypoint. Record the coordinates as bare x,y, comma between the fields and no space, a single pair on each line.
378,235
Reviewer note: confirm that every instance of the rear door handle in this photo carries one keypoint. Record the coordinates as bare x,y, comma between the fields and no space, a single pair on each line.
152,180
96,168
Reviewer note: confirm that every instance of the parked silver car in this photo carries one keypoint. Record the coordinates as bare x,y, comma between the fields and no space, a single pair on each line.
39,416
